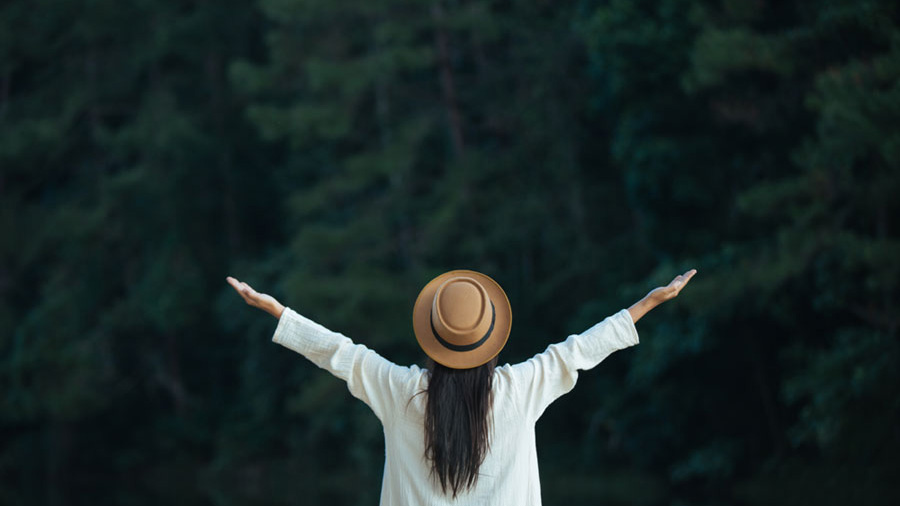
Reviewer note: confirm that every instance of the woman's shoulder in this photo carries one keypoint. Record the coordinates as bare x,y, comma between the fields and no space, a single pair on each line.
411,379
505,377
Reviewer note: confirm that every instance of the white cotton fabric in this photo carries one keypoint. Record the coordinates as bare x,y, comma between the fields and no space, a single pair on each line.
509,474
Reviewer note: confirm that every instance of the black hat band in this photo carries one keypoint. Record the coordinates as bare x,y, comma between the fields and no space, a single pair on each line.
465,347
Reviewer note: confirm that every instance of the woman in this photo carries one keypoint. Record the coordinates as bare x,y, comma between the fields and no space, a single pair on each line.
469,438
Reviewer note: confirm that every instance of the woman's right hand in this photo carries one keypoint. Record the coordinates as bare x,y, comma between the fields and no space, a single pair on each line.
259,300
659,295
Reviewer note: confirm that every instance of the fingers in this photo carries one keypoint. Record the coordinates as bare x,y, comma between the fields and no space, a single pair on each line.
244,290
679,282
687,277
237,285
240,286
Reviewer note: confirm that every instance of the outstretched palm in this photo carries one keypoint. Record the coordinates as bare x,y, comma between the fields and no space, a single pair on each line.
259,300
670,291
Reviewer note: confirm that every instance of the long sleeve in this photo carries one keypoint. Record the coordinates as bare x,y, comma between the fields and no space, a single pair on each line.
369,376
545,377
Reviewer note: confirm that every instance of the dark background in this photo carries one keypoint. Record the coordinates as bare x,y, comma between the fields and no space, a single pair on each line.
339,154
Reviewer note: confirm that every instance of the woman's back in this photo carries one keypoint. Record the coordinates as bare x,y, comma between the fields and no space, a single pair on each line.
521,393
508,474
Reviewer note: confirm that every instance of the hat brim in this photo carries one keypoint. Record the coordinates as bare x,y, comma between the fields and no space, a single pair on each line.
462,359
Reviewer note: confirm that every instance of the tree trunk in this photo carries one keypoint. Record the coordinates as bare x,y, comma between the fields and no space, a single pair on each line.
447,86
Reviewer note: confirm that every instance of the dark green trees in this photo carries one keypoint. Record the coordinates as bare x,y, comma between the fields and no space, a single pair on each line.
777,121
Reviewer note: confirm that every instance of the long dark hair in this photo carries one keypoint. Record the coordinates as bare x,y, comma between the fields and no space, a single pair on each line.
457,423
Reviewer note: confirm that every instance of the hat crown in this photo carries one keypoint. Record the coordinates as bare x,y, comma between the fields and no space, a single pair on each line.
461,311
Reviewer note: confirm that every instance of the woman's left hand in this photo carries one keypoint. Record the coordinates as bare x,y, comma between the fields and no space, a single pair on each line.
259,300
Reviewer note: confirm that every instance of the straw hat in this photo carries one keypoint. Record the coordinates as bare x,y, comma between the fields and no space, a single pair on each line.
462,319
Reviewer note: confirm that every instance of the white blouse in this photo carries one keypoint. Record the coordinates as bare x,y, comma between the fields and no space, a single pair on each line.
509,474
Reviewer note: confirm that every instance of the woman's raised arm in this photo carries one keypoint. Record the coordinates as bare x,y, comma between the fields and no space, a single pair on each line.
370,377
548,375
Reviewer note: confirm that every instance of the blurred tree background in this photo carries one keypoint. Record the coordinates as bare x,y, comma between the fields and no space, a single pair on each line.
340,154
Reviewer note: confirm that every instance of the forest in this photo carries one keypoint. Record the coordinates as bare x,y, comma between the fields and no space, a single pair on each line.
339,155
